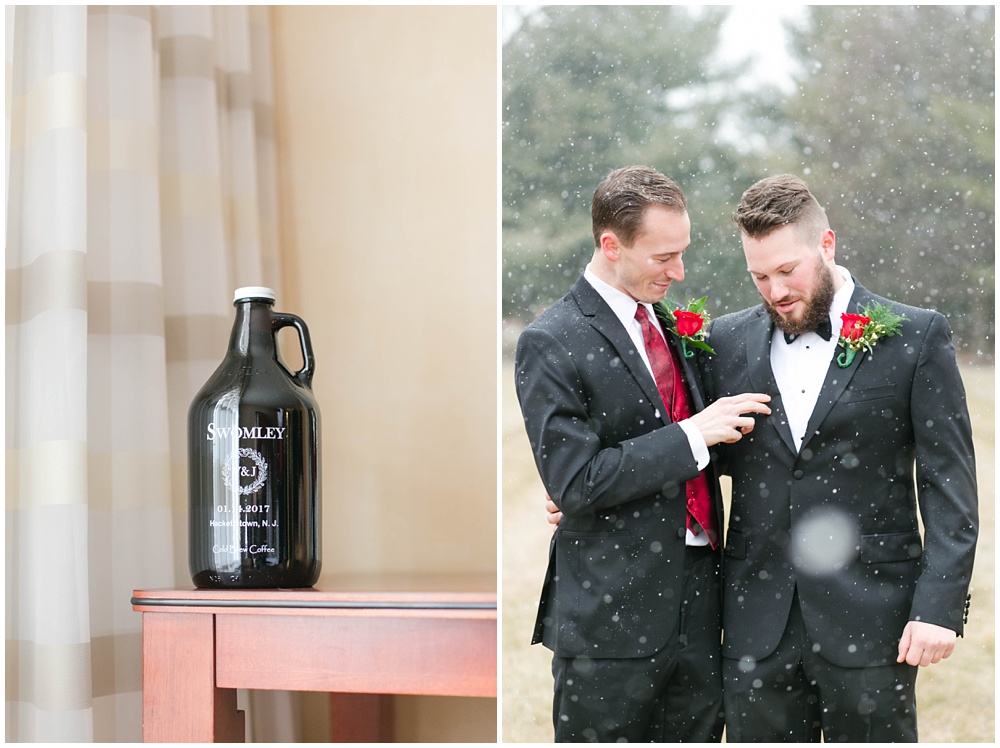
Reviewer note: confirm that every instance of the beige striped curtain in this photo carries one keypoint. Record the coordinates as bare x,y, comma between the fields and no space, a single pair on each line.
141,190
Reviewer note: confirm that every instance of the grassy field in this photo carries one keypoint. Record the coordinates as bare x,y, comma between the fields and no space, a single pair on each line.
955,698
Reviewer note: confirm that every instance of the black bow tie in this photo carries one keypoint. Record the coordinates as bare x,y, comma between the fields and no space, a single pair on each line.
825,331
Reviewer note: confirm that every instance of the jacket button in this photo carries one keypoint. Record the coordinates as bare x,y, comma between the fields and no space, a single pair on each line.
798,475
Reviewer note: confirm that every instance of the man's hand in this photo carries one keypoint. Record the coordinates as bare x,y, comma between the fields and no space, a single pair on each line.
554,515
724,420
925,644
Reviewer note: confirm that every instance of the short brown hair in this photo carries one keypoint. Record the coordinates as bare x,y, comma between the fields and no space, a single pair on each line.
622,197
777,201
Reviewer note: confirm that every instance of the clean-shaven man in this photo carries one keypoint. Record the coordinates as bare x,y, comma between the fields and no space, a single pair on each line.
630,602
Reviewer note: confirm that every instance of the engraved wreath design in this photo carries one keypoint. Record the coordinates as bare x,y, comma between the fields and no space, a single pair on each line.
227,472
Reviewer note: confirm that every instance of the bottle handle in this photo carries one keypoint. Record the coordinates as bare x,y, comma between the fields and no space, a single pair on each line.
279,320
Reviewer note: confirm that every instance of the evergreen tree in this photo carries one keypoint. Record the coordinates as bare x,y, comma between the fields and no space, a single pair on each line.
892,126
894,131
588,89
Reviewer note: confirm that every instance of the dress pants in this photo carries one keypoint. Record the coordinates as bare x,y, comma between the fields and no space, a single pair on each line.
794,694
674,695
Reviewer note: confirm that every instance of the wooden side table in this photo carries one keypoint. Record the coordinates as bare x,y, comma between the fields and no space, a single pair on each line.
350,635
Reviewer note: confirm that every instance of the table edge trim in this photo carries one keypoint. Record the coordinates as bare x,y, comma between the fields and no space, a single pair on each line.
170,602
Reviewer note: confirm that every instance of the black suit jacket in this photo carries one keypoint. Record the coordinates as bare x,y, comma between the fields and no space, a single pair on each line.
837,519
617,468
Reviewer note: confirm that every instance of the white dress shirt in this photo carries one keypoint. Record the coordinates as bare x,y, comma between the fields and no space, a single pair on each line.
800,366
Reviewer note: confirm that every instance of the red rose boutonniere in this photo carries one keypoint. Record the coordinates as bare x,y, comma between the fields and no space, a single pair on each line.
863,331
688,324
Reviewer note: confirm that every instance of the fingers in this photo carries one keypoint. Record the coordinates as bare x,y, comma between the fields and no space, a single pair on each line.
918,657
904,646
728,419
738,405
931,655
552,513
744,403
748,396
740,429
915,656
924,644
749,402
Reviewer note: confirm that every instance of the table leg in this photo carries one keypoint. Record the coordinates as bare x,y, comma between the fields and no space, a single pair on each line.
360,718
180,702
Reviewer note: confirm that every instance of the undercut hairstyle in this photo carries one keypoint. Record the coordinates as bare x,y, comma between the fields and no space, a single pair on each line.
778,201
622,197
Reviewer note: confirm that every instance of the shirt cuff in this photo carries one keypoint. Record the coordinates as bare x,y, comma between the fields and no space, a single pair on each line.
698,446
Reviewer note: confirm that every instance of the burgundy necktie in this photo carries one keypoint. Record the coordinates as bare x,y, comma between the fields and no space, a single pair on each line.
659,357
669,382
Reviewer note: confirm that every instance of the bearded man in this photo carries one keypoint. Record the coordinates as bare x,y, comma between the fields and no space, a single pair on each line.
832,595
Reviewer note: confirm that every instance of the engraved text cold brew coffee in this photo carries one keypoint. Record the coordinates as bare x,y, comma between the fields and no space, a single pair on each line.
253,459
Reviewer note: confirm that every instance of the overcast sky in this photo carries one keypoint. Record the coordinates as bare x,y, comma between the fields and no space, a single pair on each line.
749,30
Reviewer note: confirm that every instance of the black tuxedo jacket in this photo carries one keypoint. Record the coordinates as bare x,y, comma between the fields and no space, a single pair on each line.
837,519
616,467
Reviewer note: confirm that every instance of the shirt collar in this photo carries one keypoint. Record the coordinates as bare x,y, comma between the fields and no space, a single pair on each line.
841,299
621,303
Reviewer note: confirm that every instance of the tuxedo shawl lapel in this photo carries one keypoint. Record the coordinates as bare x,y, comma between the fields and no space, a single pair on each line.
759,334
597,311
837,378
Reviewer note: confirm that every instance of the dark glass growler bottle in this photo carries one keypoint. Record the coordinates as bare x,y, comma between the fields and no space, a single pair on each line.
253,459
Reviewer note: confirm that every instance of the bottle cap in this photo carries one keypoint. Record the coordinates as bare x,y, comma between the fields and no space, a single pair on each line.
254,292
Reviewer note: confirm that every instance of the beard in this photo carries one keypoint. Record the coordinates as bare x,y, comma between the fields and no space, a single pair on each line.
817,306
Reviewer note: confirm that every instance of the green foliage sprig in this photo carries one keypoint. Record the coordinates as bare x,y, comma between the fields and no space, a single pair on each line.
689,323
860,332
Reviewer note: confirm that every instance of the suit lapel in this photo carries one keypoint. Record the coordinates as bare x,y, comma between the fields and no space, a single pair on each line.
837,378
687,366
759,334
694,393
605,322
